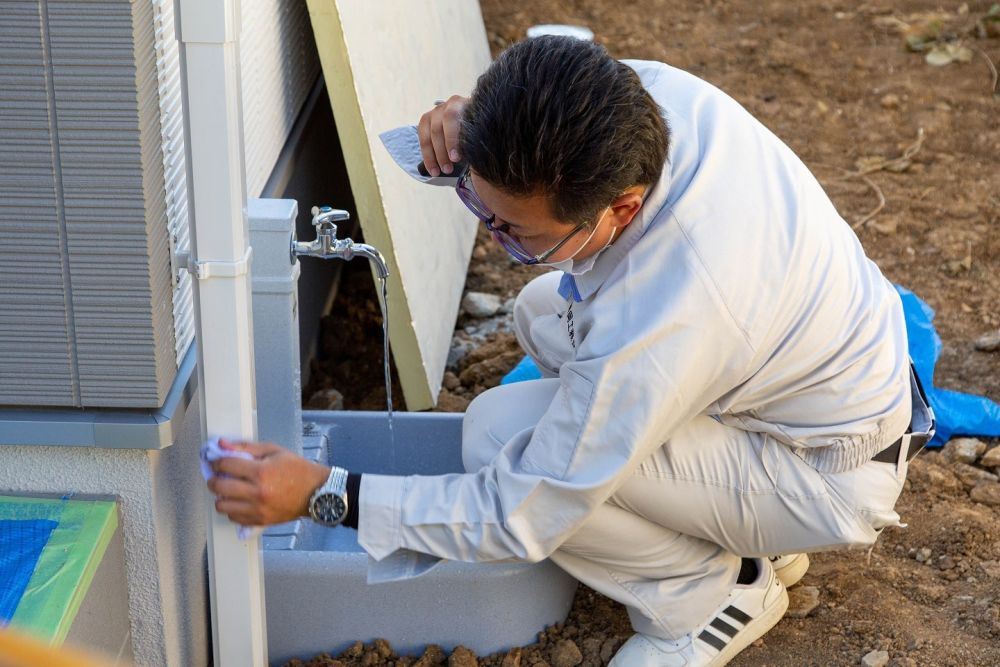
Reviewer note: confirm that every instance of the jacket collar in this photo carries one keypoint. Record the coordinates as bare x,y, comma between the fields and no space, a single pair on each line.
583,286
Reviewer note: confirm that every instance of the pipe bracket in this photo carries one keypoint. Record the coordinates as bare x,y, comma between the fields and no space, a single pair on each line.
208,268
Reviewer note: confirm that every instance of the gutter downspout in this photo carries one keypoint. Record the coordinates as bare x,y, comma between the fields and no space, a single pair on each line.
210,67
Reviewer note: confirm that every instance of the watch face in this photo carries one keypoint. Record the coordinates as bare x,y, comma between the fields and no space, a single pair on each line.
330,508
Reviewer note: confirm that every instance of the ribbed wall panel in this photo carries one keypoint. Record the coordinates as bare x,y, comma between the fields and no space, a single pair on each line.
172,144
36,341
87,305
279,65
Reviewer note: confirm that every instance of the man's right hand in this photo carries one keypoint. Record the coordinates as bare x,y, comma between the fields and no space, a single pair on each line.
438,131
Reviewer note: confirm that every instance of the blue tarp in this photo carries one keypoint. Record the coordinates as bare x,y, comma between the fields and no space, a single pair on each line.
21,543
956,413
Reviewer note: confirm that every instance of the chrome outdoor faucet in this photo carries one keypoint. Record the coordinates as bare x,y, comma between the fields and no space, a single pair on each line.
328,246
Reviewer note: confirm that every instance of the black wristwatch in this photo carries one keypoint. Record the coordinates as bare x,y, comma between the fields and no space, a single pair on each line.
328,505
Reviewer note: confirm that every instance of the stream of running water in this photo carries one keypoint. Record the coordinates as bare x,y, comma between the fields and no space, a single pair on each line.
384,303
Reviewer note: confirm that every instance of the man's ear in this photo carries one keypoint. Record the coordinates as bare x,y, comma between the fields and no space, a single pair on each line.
626,205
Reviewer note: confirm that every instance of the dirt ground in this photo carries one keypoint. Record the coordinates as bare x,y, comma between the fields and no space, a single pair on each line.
910,154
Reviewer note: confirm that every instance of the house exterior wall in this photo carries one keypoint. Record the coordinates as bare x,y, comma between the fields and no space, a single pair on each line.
279,65
93,191
93,204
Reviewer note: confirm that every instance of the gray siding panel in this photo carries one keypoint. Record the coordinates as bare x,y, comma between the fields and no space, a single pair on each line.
37,359
92,187
278,64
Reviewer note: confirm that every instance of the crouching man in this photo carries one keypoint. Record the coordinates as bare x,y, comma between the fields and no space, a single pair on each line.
726,382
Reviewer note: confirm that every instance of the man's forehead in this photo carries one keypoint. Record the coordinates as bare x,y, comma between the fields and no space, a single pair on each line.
517,211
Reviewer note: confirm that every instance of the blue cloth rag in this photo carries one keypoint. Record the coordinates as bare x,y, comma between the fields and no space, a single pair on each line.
21,544
956,413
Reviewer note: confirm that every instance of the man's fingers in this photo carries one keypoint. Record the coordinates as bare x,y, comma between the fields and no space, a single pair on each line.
233,489
256,449
427,146
451,124
437,140
238,511
236,467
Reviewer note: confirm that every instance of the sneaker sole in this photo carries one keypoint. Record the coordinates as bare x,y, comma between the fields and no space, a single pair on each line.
792,573
753,631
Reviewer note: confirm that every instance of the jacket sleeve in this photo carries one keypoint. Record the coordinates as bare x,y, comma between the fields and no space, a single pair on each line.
652,360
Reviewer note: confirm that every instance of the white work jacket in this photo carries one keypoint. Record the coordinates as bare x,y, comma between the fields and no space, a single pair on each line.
737,291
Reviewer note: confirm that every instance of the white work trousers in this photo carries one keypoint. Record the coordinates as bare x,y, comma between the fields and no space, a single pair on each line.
668,543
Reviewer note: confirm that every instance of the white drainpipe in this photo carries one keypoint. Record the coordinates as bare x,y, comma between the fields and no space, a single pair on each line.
220,264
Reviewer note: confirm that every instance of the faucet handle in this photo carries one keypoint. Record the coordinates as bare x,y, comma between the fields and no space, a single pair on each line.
324,215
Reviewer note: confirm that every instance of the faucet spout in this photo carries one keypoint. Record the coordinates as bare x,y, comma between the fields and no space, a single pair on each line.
374,256
328,246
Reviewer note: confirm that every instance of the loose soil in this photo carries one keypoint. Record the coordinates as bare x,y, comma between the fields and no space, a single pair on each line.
875,122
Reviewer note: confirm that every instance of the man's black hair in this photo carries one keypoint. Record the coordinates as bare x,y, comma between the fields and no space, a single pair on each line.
559,116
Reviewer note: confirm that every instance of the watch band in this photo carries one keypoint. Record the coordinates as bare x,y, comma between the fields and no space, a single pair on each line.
336,484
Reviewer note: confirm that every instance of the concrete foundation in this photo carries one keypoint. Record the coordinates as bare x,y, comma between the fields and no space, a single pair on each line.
163,518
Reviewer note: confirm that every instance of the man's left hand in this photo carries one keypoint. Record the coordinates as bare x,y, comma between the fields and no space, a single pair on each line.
274,487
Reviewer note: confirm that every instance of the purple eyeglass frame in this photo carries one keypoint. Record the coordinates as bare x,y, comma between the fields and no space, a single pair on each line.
472,201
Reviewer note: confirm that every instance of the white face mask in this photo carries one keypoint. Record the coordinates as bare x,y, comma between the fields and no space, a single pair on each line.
576,268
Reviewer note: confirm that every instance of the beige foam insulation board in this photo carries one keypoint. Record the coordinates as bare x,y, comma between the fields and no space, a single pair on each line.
385,63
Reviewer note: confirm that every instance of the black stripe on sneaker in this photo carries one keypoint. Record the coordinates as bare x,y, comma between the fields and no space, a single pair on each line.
737,615
721,625
711,639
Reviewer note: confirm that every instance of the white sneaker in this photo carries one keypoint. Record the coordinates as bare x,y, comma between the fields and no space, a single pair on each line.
747,613
790,568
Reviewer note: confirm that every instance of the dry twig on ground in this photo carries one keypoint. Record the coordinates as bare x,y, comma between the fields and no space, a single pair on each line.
993,70
875,211
863,175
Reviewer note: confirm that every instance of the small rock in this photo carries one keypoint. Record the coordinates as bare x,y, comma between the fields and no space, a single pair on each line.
989,343
450,381
876,659
462,657
887,225
433,655
565,653
383,648
512,659
987,493
964,450
934,476
945,562
991,459
971,475
460,348
326,399
508,306
357,648
990,568
802,600
481,304
923,554
479,252
449,402
591,648
608,650
889,101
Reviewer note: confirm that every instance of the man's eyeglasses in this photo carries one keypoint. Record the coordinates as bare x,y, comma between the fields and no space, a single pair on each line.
501,233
